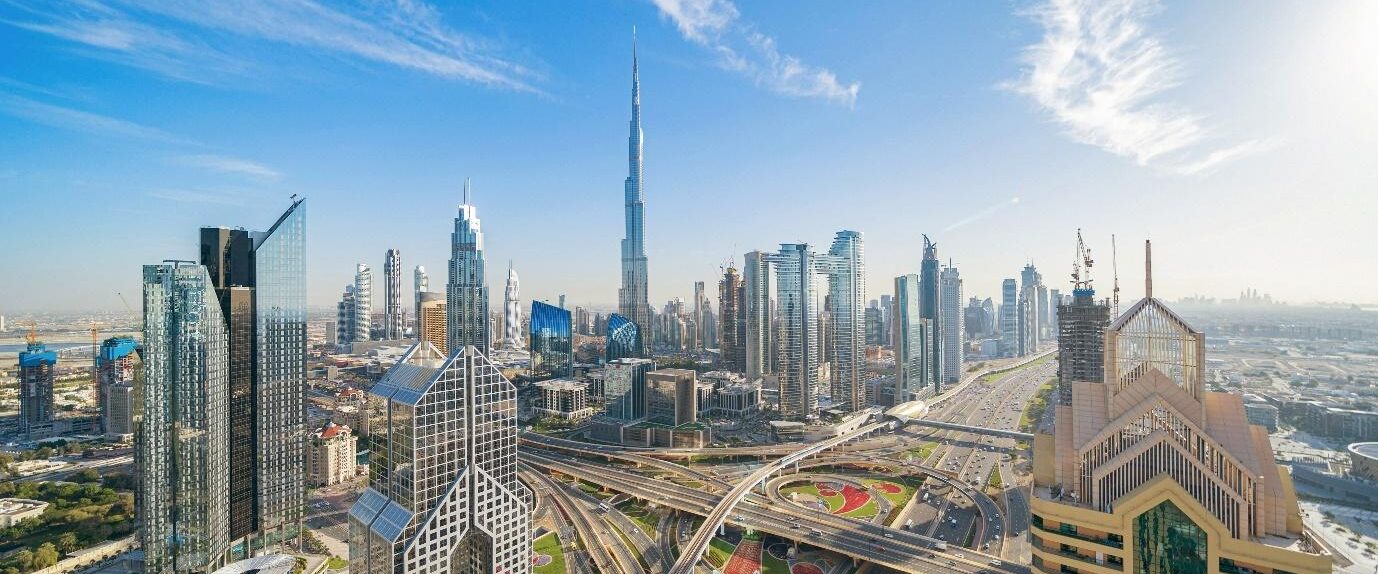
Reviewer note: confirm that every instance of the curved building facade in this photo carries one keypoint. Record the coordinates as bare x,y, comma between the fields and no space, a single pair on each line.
1363,460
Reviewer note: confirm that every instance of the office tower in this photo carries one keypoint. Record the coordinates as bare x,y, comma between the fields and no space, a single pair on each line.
583,321
552,341
913,341
346,314
756,314
1030,281
632,301
845,266
886,306
953,331
1054,301
363,303
875,323
430,321
511,311
931,308
260,281
1146,471
183,457
467,290
1009,319
421,283
117,364
447,498
709,328
700,319
624,338
36,376
394,322
974,319
731,327
672,397
1044,317
1080,340
796,278
624,388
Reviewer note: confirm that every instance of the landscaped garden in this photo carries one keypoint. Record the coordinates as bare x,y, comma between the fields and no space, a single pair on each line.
547,555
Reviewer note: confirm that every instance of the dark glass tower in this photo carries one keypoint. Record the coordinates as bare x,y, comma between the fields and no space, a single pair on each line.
624,338
260,283
551,341
36,365
931,308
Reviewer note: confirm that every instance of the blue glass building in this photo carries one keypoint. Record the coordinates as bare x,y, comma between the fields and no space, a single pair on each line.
624,338
551,341
36,375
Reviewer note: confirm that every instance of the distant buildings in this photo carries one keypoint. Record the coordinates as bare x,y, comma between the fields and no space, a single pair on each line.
914,340
36,376
953,331
1031,314
453,504
466,292
117,364
632,301
563,399
431,321
758,343
511,311
845,266
552,341
394,319
421,283
331,456
931,308
362,321
346,313
875,324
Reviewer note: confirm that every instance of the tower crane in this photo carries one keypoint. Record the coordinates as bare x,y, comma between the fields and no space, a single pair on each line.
1081,266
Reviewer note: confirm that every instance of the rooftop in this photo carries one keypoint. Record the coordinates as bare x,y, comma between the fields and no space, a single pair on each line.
1365,449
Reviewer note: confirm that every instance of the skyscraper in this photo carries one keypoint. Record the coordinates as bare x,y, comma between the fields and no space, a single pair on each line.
913,342
931,308
1031,285
511,311
845,266
446,499
394,321
796,276
887,306
183,457
1009,318
346,314
363,303
1081,340
36,377
731,327
954,325
430,321
421,283
259,279
624,388
552,341
632,301
700,317
756,314
467,290
117,364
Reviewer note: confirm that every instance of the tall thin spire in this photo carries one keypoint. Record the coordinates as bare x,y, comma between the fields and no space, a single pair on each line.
466,191
632,300
1148,269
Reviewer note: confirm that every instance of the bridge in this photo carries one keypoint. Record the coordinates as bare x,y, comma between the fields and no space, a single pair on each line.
972,429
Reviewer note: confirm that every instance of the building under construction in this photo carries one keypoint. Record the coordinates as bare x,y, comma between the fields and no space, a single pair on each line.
1081,330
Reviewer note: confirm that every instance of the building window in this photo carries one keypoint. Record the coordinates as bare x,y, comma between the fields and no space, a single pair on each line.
1168,542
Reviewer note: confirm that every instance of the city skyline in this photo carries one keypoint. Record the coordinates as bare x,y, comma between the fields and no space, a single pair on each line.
182,169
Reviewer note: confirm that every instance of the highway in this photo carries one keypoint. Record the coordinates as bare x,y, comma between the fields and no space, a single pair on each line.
591,531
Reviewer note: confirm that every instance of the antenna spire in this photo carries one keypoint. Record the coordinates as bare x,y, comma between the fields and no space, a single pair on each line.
1148,269
466,191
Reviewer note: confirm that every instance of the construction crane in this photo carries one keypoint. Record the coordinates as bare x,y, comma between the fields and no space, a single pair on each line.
1115,266
126,303
32,335
1081,266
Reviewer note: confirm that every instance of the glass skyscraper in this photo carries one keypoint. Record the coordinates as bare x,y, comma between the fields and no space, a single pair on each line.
36,376
552,341
632,301
931,308
797,293
624,338
183,455
756,314
913,342
624,388
394,322
953,331
466,304
845,266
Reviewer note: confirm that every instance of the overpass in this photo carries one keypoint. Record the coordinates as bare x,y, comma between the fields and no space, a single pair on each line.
972,429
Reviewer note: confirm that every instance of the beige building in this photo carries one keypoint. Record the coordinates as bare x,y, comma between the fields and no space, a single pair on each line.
672,397
331,456
16,510
430,324
1147,472
563,398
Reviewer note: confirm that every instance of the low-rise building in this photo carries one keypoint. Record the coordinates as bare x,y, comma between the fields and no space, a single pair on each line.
1262,414
672,397
331,456
1363,460
736,400
564,399
16,510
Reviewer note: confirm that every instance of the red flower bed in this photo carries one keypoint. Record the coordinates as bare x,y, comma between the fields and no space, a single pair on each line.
888,488
746,559
806,568
852,499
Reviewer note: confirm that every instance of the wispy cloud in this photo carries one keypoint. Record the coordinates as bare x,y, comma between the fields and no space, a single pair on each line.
404,33
984,213
233,165
1099,72
78,120
190,196
717,25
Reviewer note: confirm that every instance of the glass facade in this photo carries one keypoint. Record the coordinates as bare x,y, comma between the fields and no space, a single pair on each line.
913,342
632,301
466,304
624,338
797,297
551,341
931,308
624,388
1166,541
845,267
36,376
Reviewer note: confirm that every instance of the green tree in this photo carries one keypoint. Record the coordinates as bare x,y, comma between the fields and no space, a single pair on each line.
67,542
43,452
87,475
24,558
45,556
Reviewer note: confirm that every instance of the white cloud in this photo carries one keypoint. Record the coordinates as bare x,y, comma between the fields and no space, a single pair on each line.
1100,72
77,120
717,25
230,165
189,196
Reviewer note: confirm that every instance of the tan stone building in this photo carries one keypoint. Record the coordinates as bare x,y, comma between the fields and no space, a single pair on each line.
672,397
1147,472
430,323
330,457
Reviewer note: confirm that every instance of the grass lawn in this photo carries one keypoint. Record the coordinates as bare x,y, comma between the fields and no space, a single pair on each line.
1039,403
336,563
898,499
994,480
550,545
923,451
644,519
867,510
834,502
719,551
772,565
999,374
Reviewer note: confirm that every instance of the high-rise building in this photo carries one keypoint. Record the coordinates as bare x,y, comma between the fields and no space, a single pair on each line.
845,266
511,310
913,342
875,324
394,319
975,322
1031,315
183,457
624,388
700,317
446,499
624,338
363,303
931,308
467,291
1081,329
421,283
331,456
345,315
117,365
731,326
796,279
756,314
672,396
37,366
887,305
1054,301
954,325
632,301
1009,319
552,341
1146,471
430,321
259,279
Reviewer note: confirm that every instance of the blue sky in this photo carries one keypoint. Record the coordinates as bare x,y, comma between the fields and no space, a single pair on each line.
1238,136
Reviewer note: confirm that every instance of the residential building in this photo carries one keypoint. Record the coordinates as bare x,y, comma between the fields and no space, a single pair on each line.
117,365
797,277
914,339
1029,313
16,510
672,397
632,301
345,315
953,332
756,314
845,266
624,388
1009,319
1262,414
431,321
564,399
931,308
731,325
331,456
511,311
363,304
182,455
37,371
466,292
552,341
447,499
394,319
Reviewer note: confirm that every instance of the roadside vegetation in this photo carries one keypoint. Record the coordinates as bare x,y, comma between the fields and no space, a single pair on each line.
1037,405
78,516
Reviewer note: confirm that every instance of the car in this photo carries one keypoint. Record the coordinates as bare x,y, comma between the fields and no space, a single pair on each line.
996,563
